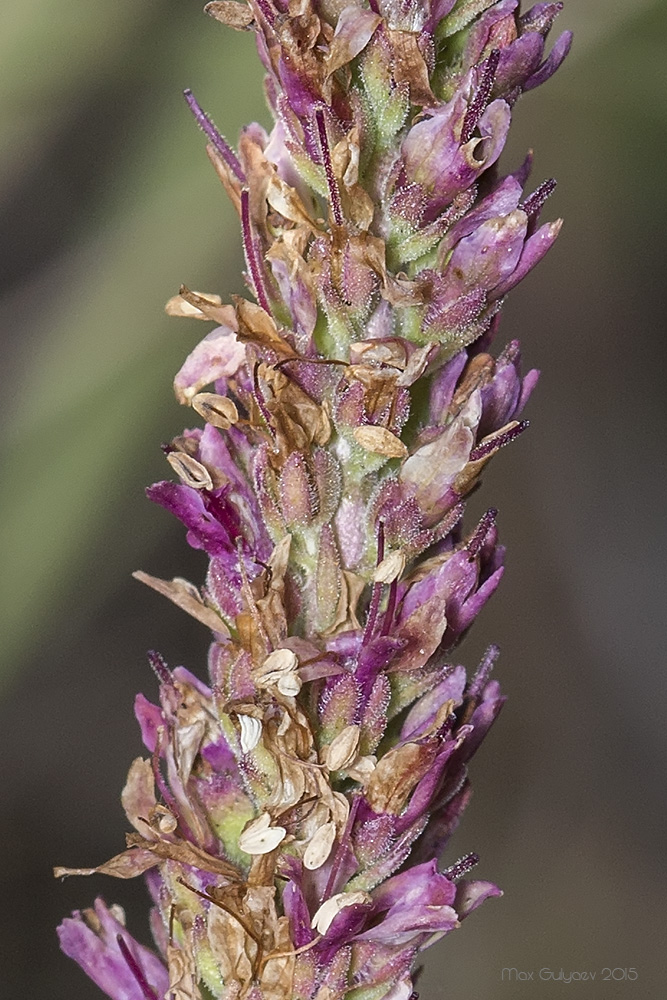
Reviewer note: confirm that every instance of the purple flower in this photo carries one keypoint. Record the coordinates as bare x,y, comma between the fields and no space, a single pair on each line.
120,966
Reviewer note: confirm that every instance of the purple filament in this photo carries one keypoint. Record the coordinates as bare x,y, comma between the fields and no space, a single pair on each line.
461,867
224,512
388,619
480,98
492,445
136,970
334,194
211,132
251,256
533,204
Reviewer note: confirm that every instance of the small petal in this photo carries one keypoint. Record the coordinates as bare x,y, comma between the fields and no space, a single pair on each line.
219,355
558,53
354,29
330,909
91,939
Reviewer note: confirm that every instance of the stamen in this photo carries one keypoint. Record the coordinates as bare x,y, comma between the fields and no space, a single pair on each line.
160,668
492,444
136,970
533,204
485,667
480,98
334,194
224,512
210,131
251,255
461,867
481,531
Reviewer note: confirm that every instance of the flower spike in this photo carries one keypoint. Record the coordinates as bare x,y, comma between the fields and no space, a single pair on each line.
291,810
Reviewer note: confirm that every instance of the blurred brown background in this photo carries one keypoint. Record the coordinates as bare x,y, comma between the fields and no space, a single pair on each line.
107,203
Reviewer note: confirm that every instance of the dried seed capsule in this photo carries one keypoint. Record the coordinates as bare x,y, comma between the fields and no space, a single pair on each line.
259,837
220,411
380,441
190,471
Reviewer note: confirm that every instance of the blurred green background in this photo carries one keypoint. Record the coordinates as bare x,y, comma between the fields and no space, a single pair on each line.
108,203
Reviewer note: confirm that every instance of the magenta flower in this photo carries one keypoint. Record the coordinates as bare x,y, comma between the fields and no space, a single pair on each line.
291,812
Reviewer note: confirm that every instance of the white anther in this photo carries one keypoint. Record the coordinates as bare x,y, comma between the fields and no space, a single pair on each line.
320,845
390,568
259,837
343,749
251,732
